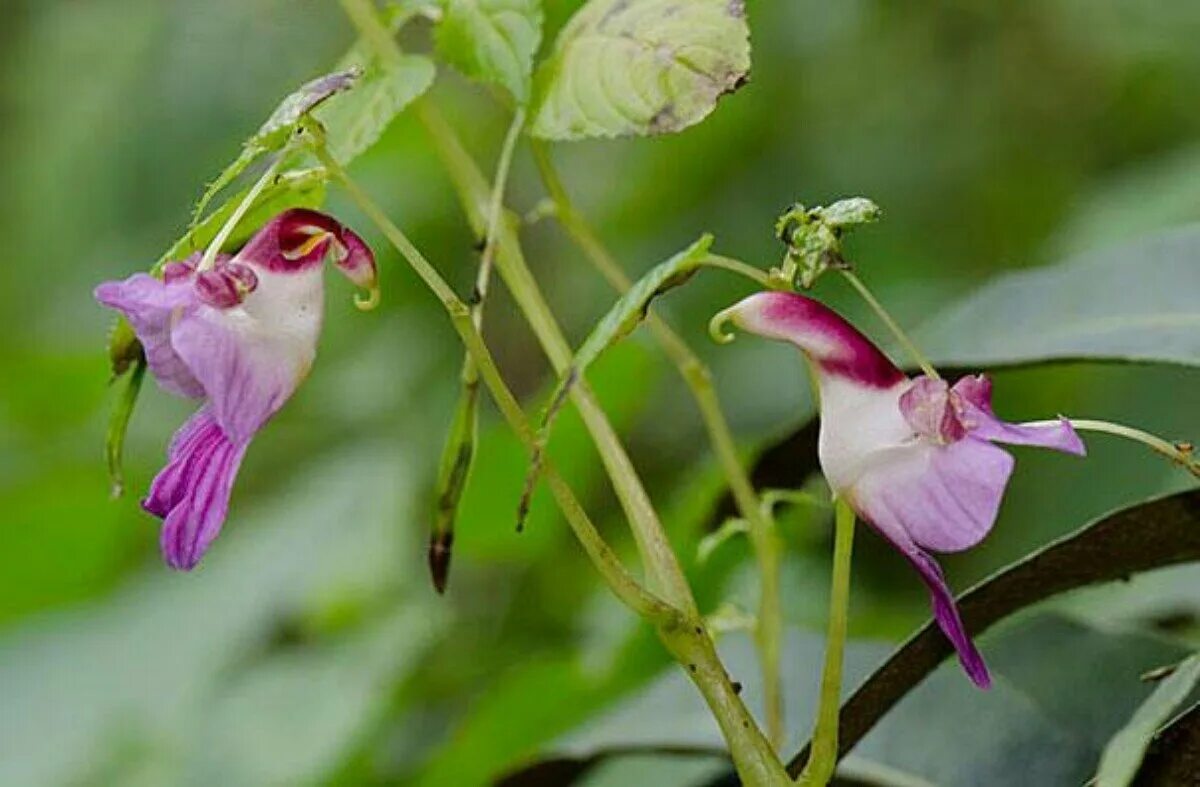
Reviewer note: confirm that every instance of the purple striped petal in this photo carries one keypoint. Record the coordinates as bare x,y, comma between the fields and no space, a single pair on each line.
192,492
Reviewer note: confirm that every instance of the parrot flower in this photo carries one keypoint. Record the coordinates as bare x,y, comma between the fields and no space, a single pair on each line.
241,335
914,458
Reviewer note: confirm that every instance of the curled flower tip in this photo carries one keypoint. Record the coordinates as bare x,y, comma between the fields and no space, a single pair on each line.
369,301
716,326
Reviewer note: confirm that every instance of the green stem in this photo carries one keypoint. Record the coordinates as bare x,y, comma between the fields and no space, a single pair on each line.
759,277
458,452
622,583
1180,453
662,567
214,248
698,378
892,325
823,760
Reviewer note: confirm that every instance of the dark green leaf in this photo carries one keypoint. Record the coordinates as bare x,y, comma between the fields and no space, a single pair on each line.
492,41
1149,535
118,424
1124,752
638,67
1130,303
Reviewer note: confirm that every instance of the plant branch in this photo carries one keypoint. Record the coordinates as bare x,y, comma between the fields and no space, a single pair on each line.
619,580
698,379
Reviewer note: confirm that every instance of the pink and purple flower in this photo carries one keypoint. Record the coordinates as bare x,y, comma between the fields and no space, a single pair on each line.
913,457
242,335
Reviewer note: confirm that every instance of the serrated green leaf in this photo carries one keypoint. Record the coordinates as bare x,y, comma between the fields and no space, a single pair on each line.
356,121
625,315
274,133
493,41
1124,753
638,67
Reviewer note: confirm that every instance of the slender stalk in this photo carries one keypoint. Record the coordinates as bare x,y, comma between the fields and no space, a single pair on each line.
698,378
214,248
622,583
1180,453
458,452
759,277
662,567
892,325
823,760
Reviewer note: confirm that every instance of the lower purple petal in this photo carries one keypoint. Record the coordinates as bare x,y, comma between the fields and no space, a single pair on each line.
883,519
192,492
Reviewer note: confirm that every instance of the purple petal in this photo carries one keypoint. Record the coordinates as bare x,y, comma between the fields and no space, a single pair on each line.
192,492
975,397
150,305
248,370
888,522
944,497
836,346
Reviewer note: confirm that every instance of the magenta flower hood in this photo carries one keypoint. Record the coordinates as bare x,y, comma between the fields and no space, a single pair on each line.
241,335
913,457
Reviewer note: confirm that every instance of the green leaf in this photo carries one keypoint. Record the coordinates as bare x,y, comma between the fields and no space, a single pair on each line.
278,128
118,425
1149,535
492,41
1171,758
1124,753
355,121
1135,302
625,315
638,67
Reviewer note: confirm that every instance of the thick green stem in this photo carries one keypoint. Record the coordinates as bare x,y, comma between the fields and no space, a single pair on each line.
823,760
699,381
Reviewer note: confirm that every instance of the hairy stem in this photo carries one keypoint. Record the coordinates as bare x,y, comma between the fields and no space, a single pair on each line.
823,760
699,381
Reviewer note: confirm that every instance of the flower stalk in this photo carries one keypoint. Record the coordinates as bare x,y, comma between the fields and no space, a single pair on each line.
459,450
214,248
823,759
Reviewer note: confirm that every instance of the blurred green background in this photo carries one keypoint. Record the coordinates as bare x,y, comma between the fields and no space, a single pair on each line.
309,646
